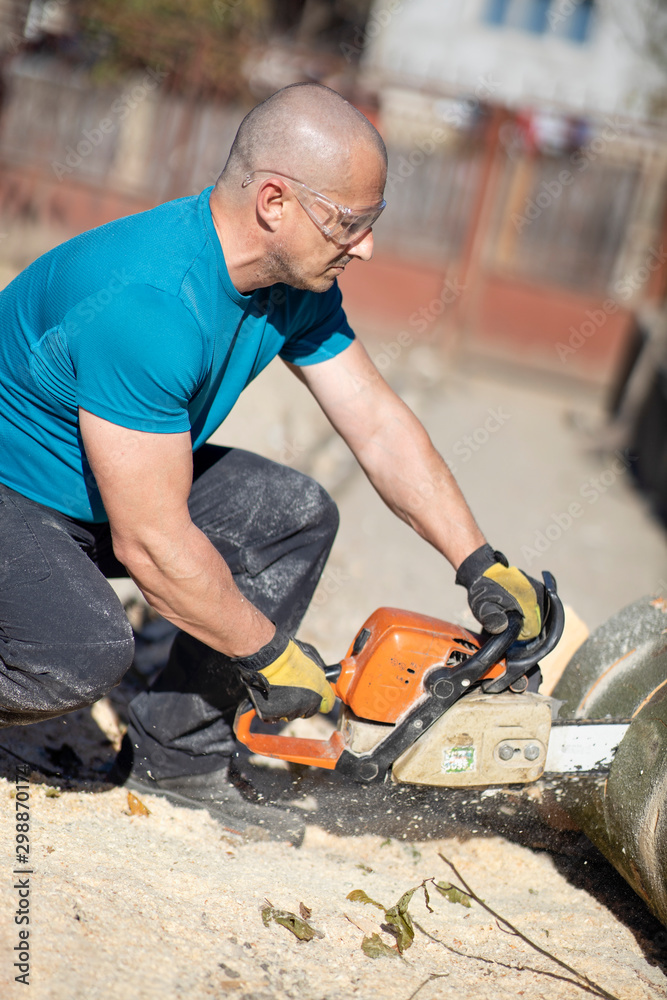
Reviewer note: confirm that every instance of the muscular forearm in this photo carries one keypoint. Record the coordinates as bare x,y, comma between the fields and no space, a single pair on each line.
415,482
145,480
185,579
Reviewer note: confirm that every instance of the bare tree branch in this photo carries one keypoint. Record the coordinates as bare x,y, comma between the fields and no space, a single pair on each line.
592,986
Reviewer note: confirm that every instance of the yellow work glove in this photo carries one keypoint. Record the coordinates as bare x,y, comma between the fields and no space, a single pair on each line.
285,680
494,588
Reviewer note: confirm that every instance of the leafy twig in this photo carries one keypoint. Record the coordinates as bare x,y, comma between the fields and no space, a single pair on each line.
398,919
505,965
592,986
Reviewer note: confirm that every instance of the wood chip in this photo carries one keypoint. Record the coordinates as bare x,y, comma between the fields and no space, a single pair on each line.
136,806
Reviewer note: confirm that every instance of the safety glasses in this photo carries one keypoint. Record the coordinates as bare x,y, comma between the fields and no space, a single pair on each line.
341,224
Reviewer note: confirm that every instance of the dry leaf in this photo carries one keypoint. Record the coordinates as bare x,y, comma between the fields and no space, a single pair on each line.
136,806
375,947
453,894
399,922
299,928
304,911
359,896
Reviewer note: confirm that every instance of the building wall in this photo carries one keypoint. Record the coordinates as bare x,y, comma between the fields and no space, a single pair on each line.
541,201
451,43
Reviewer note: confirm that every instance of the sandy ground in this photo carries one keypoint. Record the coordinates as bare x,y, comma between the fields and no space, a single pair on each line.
168,905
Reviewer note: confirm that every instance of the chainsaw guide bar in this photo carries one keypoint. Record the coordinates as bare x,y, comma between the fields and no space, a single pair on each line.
583,745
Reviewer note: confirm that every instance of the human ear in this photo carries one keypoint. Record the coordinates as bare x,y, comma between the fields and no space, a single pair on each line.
270,205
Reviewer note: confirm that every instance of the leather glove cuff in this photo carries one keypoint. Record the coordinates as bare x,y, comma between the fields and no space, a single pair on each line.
476,564
274,648
285,679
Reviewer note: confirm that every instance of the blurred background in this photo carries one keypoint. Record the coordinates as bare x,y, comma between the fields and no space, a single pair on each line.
521,263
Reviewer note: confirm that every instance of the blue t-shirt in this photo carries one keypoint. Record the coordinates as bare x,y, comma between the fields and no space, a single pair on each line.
139,323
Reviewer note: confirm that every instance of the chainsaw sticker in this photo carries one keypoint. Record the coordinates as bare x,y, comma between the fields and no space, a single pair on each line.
455,759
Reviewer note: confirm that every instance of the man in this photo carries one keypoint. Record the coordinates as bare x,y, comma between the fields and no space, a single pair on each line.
121,352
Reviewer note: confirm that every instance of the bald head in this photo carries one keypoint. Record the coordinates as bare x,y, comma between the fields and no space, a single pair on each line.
305,131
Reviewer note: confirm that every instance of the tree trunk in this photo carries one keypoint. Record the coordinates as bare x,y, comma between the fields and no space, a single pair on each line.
621,672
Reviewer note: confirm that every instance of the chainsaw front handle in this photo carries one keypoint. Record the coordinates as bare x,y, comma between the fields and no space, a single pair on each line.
554,620
496,646
527,655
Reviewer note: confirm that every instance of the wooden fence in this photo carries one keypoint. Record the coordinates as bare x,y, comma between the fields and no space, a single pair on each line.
532,249
131,141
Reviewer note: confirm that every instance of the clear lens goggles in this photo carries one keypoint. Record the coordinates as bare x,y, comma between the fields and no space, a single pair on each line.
341,224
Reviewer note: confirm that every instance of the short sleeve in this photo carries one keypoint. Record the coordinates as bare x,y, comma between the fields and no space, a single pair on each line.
138,358
319,329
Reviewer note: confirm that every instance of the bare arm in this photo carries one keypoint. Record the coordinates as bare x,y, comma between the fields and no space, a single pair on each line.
394,450
145,482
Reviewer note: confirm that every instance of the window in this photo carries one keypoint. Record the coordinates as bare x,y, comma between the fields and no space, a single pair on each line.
496,11
571,19
567,19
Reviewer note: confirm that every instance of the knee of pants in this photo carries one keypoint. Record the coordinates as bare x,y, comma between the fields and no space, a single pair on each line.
319,509
65,678
103,666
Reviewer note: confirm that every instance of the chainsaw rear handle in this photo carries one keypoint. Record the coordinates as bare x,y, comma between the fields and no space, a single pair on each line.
318,753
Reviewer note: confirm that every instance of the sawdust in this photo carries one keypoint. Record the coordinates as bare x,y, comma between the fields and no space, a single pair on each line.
169,905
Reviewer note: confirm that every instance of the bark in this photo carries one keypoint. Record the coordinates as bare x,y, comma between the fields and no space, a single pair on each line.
621,672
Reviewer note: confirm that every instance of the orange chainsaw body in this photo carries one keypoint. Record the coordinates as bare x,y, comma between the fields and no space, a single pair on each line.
386,675
381,678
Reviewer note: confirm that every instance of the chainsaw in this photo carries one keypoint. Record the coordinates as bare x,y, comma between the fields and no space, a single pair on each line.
430,703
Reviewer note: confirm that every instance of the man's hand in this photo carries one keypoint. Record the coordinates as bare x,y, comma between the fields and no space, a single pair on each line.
285,680
494,588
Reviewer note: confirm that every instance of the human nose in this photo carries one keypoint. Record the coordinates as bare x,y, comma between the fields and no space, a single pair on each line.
363,248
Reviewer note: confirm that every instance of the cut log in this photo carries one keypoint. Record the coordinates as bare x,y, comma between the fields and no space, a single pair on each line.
621,672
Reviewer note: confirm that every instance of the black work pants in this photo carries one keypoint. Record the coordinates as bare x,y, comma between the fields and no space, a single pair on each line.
65,640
